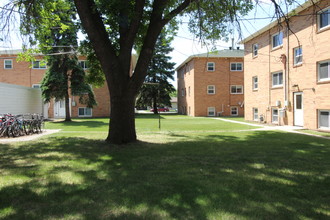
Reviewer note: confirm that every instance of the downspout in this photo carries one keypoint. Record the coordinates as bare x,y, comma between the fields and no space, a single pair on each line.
269,80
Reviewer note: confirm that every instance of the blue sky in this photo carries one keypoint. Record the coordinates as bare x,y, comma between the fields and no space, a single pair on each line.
185,44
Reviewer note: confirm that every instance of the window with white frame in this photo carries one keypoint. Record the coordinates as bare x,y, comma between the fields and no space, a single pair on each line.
210,66
277,79
324,70
255,114
39,64
324,119
211,111
83,64
324,18
84,112
255,83
236,66
211,89
233,111
274,115
236,89
8,64
277,40
255,48
297,56
36,86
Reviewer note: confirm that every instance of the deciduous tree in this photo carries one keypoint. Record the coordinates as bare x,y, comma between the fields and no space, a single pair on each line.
115,27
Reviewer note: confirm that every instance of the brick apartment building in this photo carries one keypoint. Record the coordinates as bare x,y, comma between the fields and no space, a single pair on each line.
30,75
287,72
211,84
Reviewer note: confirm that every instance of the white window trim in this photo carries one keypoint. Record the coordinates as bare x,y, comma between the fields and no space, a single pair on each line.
254,83
231,109
319,20
254,114
255,50
85,61
39,65
207,66
275,122
319,122
82,116
4,64
236,67
207,89
280,45
318,71
295,56
279,85
208,111
236,93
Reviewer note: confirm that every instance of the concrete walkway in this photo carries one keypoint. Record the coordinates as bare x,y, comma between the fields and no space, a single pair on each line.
286,128
28,137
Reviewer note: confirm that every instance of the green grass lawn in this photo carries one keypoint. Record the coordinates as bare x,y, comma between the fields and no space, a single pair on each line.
193,168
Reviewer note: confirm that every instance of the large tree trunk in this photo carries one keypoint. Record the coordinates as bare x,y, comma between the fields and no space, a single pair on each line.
67,107
122,123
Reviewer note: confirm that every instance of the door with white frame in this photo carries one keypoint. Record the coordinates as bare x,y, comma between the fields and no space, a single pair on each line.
59,109
298,109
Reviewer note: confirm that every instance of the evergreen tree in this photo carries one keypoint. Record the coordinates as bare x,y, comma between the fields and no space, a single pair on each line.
156,90
57,43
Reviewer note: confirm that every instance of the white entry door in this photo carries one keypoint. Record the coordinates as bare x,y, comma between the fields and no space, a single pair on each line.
59,109
298,109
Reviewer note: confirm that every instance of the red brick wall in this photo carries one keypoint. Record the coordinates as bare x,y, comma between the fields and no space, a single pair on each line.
199,78
302,78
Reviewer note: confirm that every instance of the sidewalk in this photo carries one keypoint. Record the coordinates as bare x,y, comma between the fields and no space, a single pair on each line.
286,128
28,137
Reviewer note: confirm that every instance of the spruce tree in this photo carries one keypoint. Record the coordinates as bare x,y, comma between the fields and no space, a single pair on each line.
156,90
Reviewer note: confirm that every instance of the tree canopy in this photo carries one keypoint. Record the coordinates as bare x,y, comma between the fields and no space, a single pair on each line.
115,27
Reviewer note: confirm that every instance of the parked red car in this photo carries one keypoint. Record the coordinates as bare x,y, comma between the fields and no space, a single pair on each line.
163,109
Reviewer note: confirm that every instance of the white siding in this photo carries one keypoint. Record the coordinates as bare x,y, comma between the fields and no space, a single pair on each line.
19,99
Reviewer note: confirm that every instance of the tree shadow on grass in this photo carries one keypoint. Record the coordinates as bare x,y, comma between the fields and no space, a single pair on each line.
257,176
83,123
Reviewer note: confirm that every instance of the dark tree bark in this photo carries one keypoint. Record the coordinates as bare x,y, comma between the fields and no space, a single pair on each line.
123,86
67,107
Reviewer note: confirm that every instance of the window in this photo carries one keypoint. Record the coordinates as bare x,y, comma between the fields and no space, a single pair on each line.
324,119
84,112
298,56
324,70
255,114
8,64
274,115
233,111
36,86
83,64
277,79
324,18
39,64
277,40
255,83
211,111
210,89
210,66
189,91
236,66
255,48
236,89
